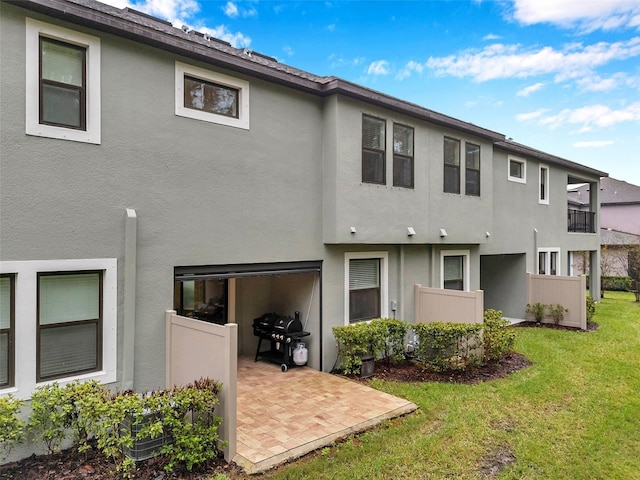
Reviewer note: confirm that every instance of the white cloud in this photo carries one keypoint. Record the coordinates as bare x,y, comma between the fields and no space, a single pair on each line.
491,37
595,83
523,117
587,15
379,67
331,27
288,50
337,61
230,10
526,91
237,39
514,61
591,117
409,68
593,144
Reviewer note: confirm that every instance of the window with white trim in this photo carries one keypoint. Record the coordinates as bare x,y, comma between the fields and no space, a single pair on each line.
517,170
62,83
544,185
548,261
366,284
454,269
65,321
7,329
211,96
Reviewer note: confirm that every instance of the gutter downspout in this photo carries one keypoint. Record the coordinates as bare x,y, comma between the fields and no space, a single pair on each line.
402,293
129,330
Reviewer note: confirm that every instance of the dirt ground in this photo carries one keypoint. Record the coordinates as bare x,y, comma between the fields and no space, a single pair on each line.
70,465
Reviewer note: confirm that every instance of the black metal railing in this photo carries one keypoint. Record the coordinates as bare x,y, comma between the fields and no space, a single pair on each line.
582,222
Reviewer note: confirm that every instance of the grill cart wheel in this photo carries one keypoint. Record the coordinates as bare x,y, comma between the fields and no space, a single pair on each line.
284,367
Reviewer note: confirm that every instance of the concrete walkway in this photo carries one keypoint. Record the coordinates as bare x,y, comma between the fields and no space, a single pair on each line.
282,416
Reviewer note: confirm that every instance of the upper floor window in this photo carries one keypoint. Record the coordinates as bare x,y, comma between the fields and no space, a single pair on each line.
373,150
402,156
7,329
517,170
451,165
211,97
472,170
544,185
62,83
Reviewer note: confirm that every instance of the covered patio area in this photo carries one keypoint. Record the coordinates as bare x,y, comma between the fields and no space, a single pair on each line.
281,416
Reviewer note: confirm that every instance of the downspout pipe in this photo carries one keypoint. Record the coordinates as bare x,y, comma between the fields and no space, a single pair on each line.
129,330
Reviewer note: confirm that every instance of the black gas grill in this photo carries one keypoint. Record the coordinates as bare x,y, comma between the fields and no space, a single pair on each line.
282,333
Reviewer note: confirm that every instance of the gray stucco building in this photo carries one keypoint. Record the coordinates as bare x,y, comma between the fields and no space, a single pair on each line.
147,168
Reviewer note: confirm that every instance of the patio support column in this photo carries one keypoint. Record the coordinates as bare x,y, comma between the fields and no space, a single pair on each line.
129,330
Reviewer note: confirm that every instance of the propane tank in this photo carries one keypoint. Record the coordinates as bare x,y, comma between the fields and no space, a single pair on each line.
300,354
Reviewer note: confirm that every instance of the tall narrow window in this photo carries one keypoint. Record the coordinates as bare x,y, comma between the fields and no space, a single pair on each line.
402,156
373,149
7,330
69,325
364,289
453,272
544,184
451,165
542,263
62,84
472,169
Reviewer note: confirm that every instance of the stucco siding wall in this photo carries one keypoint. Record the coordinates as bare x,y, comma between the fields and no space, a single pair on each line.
203,193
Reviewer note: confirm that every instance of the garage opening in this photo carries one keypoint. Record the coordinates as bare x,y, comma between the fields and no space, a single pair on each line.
241,293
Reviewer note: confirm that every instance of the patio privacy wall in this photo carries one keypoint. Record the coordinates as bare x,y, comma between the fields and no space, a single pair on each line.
197,349
438,305
570,292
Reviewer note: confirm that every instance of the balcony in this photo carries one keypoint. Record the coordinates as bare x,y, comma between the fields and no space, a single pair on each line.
581,222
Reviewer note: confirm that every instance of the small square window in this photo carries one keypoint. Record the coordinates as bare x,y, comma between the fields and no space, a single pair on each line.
211,97
517,170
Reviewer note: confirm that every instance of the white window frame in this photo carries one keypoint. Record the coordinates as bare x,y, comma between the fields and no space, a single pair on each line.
522,162
242,86
547,261
545,200
34,30
384,280
26,288
467,266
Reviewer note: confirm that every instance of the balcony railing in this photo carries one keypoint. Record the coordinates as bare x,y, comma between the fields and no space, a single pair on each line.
581,222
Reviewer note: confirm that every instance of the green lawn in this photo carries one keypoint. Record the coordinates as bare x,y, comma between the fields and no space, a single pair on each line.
574,414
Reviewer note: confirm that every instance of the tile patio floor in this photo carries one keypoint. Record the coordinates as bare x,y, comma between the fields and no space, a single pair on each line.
282,416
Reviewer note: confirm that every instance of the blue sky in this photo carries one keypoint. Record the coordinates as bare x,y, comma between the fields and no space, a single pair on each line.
562,76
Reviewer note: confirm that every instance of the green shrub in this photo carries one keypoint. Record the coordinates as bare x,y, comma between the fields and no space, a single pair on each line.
354,341
591,307
557,312
12,429
48,420
497,336
390,339
448,346
537,310
82,399
620,284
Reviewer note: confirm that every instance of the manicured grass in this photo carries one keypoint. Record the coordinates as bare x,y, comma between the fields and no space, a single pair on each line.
574,414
